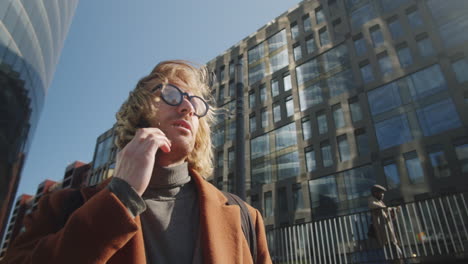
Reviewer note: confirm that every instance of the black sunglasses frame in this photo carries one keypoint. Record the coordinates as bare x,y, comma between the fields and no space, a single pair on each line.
182,94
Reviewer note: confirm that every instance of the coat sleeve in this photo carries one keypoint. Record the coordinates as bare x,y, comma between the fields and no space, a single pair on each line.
92,234
263,255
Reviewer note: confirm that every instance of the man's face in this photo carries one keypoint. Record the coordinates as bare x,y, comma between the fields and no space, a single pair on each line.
379,195
179,123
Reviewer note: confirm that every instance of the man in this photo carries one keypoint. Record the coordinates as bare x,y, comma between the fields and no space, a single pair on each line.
157,208
382,218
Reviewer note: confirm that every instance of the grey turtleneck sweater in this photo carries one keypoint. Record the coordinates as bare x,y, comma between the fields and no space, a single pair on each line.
171,220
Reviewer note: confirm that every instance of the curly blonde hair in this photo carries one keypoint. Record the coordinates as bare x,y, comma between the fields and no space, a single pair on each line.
138,109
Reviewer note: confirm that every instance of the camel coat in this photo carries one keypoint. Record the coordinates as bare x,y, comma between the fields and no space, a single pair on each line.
382,221
102,230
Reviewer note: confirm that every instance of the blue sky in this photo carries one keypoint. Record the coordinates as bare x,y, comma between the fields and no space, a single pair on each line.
111,44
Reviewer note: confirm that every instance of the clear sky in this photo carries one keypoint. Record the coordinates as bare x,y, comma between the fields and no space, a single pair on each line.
111,44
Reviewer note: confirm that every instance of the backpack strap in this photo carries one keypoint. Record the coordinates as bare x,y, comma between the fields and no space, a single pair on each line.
246,223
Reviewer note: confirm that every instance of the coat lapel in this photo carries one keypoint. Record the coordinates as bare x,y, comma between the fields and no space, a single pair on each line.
222,239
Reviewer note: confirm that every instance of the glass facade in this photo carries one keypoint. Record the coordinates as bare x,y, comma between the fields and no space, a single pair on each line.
380,93
32,34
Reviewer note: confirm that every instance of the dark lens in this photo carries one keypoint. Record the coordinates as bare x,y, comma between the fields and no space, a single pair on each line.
199,105
171,95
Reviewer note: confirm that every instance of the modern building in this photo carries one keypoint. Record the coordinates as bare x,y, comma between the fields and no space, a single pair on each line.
76,175
339,95
32,34
104,158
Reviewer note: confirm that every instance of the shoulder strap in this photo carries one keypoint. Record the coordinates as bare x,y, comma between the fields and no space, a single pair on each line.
246,222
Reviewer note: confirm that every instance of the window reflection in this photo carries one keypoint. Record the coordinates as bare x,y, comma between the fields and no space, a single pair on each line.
285,136
414,168
288,165
393,131
310,95
438,117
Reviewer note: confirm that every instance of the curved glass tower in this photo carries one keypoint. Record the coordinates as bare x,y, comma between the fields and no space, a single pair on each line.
32,34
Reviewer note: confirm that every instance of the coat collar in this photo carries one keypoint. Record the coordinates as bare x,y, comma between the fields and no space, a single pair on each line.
222,239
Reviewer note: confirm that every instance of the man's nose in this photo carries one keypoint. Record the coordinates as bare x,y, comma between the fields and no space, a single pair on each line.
186,107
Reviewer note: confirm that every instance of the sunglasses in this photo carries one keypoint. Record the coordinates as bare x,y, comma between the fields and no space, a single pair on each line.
173,95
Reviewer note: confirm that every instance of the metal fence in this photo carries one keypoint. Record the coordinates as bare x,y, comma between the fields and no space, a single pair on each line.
435,227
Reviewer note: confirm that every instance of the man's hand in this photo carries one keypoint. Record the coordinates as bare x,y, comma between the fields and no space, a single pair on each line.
135,162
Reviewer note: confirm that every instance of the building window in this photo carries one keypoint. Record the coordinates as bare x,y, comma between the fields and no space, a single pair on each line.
307,23
324,196
298,198
355,107
306,129
259,146
376,36
322,123
287,82
232,70
426,82
256,73
310,95
261,173
294,31
414,168
230,183
231,159
319,15
362,142
252,99
282,201
460,67
360,45
462,155
264,117
279,61
366,73
438,117
288,165
276,112
414,18
268,204
232,89
274,88
341,82
262,90
439,164
253,124
338,116
393,131
327,157
221,94
310,44
343,148
324,37
404,56
311,162
255,202
221,74
395,28
286,136
220,161
219,182
384,98
297,52
425,47
289,106
363,14
385,64
391,174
